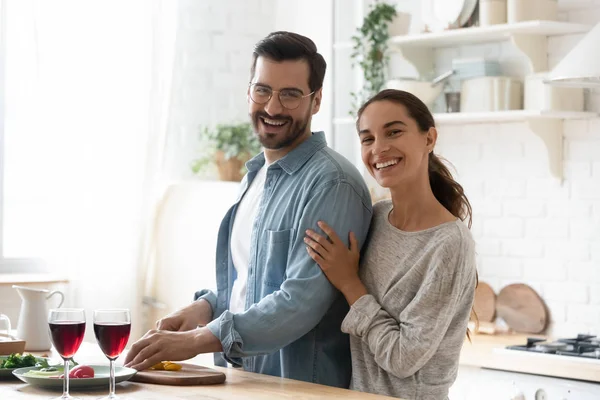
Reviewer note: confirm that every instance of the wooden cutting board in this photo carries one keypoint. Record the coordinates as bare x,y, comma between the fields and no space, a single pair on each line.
522,308
485,302
188,375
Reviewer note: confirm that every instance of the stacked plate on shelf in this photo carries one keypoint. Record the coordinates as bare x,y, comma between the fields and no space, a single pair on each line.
468,68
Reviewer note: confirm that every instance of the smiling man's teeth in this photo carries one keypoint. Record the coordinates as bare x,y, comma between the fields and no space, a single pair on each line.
273,122
386,164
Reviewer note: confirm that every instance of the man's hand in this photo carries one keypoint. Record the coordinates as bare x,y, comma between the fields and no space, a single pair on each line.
157,346
187,318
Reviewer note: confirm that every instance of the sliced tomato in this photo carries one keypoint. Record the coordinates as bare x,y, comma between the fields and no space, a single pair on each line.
81,371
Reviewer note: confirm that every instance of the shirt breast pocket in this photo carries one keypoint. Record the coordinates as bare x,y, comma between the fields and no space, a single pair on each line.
276,257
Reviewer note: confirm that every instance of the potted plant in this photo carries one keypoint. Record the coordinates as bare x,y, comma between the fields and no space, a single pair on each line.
228,146
369,50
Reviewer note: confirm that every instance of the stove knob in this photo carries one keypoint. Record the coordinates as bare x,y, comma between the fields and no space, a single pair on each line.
517,394
540,394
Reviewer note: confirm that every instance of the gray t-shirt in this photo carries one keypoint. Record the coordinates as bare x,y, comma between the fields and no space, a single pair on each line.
407,333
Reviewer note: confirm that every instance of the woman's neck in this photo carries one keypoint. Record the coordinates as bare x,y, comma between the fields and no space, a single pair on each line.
415,207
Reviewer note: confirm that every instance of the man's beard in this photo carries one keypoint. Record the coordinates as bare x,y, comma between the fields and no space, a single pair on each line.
276,141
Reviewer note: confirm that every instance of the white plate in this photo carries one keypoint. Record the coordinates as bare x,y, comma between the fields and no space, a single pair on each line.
448,11
433,23
100,379
467,11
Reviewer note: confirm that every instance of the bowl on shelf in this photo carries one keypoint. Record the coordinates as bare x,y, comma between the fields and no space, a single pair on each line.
424,90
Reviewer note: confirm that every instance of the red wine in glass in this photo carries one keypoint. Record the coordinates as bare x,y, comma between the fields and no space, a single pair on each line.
66,327
112,329
67,336
112,337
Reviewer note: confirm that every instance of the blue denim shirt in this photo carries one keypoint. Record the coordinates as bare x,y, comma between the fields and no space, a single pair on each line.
291,326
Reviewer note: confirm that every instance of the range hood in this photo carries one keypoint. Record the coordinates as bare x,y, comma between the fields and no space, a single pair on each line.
581,66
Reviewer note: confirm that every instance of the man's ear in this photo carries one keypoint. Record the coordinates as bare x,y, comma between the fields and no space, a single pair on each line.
317,101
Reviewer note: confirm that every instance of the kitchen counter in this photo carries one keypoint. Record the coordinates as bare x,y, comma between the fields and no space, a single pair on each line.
239,385
487,351
9,279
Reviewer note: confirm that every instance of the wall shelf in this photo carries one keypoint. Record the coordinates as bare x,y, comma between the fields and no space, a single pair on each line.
484,34
547,125
530,37
492,117
508,116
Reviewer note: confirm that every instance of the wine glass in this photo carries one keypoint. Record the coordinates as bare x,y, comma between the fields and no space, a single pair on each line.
112,329
67,326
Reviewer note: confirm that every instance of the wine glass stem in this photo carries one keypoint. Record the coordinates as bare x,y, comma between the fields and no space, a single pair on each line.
112,379
66,380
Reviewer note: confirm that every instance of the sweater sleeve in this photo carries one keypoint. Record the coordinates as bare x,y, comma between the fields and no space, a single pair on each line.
403,344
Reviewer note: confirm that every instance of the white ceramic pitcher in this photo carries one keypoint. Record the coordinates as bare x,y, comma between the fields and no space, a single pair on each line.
33,318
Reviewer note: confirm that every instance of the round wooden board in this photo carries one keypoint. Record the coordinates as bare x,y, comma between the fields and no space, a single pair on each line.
522,308
485,302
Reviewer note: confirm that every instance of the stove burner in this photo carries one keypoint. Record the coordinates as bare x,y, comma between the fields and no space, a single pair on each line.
587,346
551,347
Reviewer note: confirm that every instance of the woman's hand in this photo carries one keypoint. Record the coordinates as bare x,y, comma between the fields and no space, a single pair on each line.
339,263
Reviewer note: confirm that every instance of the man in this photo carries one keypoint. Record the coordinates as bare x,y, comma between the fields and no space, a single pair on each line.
274,311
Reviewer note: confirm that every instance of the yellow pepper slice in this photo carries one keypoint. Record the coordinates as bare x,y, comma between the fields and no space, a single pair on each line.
170,366
166,366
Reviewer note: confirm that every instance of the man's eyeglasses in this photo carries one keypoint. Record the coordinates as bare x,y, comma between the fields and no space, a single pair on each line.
289,98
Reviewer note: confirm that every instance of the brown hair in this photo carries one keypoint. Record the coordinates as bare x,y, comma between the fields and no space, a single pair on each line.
283,46
445,189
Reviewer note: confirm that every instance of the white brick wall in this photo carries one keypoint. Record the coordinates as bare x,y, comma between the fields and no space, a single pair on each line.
529,227
212,69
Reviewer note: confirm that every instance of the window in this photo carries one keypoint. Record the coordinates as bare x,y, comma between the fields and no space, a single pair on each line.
2,95
77,78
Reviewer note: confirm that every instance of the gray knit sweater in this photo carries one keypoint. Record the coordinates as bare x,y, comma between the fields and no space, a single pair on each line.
406,334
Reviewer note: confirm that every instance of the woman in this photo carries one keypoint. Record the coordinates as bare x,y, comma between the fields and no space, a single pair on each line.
412,298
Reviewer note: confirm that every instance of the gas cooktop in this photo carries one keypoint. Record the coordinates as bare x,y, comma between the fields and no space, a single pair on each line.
586,346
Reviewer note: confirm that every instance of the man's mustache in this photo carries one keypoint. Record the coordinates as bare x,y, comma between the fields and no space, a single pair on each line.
261,114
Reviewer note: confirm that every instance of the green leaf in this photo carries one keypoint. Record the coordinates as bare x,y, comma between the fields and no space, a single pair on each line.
231,139
369,51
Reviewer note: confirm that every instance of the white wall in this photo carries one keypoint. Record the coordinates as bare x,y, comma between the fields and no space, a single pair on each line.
312,18
212,69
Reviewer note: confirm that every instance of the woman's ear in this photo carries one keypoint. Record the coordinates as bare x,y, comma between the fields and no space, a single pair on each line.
431,139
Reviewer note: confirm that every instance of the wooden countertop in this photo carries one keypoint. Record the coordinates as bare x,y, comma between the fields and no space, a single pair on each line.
239,385
10,279
487,351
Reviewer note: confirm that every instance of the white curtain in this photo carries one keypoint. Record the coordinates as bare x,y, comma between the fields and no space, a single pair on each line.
87,109
157,176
